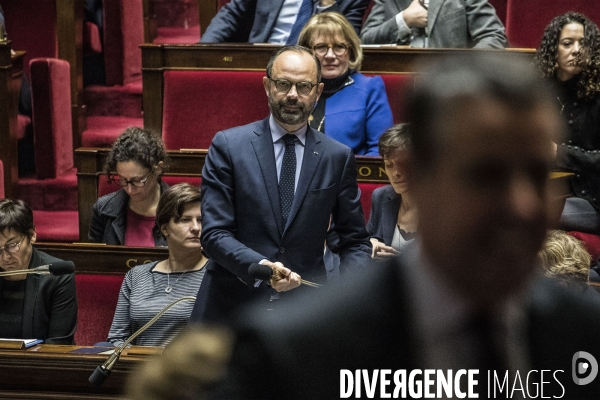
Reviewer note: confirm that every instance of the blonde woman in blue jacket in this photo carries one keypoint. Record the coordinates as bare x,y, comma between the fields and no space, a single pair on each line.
353,109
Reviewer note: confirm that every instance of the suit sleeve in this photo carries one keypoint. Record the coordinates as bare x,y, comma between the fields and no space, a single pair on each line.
353,10
63,318
232,23
379,115
354,245
381,26
219,214
485,28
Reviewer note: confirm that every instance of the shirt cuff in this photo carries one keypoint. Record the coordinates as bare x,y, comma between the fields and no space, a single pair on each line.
403,29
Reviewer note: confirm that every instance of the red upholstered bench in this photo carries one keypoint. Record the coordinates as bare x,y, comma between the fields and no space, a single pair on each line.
198,104
366,191
52,193
591,242
396,87
97,297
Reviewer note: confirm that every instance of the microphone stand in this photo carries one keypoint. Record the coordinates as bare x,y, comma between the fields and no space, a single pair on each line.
102,372
42,270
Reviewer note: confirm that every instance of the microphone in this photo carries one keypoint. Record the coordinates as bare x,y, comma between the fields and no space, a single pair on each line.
266,273
56,268
102,372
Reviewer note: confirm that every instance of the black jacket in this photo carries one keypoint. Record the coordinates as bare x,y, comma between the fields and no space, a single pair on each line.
50,309
580,153
109,219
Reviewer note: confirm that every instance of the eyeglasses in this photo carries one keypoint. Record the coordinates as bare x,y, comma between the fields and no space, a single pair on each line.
284,86
124,182
339,49
12,248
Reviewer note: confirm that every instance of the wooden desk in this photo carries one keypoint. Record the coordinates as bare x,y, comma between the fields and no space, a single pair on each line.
89,163
11,71
90,258
53,372
158,58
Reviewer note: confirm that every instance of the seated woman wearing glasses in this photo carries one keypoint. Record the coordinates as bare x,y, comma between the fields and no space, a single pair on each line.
31,306
128,216
148,288
353,109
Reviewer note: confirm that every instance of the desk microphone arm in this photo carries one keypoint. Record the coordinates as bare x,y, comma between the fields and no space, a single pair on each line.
102,372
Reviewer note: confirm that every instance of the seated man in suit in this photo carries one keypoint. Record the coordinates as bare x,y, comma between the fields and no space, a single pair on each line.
268,191
434,23
275,21
468,297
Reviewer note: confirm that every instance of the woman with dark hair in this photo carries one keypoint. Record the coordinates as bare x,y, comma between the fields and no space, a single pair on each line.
393,219
353,109
569,56
148,288
32,306
128,216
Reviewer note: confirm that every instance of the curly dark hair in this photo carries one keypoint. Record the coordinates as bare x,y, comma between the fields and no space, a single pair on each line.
589,83
139,145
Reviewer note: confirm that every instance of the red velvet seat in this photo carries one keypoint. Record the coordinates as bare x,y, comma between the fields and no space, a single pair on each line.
397,86
500,6
591,242
123,33
52,193
198,104
366,191
526,20
31,25
97,297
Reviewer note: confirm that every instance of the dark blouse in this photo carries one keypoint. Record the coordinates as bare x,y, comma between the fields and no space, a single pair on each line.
12,299
580,152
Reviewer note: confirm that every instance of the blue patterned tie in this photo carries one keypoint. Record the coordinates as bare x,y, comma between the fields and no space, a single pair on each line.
304,14
287,177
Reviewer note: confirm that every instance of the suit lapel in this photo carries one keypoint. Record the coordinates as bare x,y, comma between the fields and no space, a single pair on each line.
273,8
434,10
313,151
390,208
265,155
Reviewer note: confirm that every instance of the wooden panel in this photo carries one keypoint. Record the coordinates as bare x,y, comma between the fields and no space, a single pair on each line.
53,372
11,71
69,25
103,259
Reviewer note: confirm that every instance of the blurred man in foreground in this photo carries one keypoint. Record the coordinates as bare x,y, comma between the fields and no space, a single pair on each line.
464,314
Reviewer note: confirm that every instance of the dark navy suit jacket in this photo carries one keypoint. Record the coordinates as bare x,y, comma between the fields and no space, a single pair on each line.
385,205
242,222
252,20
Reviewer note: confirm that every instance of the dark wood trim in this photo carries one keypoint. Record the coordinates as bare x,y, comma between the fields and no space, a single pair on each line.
11,72
90,258
53,372
69,31
207,10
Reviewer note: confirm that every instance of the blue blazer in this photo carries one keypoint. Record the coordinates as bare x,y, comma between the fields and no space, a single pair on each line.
242,222
253,20
385,205
358,114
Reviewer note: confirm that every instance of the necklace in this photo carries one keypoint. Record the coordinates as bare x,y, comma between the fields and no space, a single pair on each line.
562,105
169,288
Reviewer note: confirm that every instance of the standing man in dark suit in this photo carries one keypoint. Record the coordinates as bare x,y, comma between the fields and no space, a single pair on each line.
469,297
268,191
275,21
434,23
